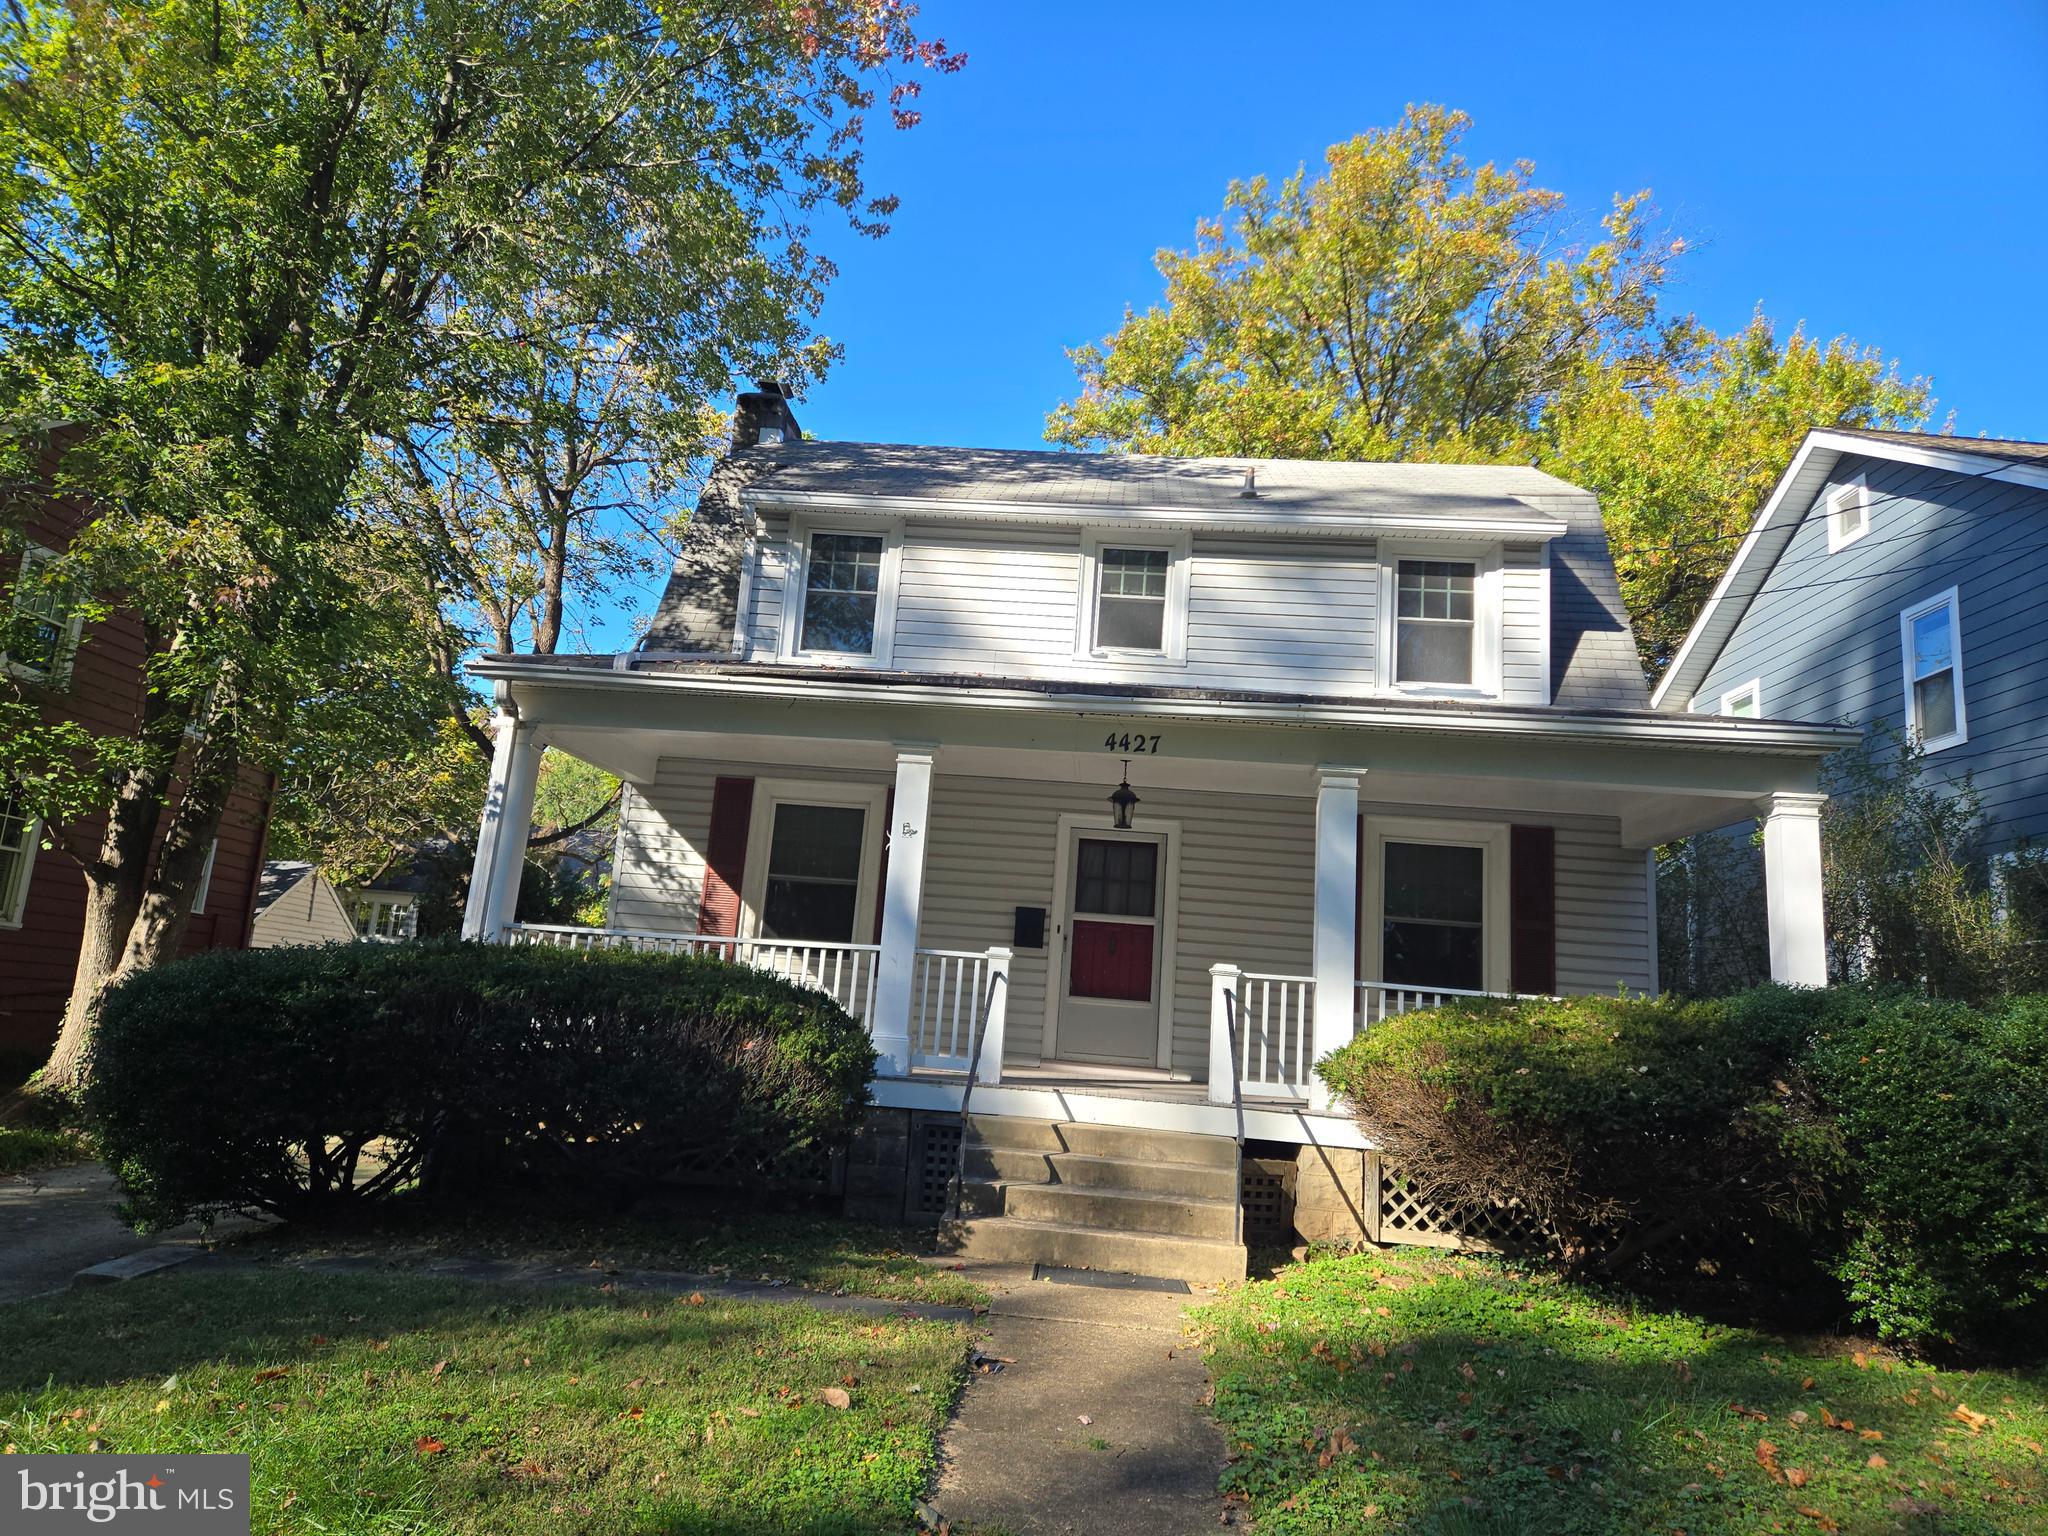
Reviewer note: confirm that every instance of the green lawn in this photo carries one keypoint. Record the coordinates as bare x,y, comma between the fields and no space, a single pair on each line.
1448,1394
814,1249
410,1405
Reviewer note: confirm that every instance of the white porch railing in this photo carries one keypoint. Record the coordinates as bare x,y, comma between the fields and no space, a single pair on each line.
949,989
846,973
1389,1000
1275,1035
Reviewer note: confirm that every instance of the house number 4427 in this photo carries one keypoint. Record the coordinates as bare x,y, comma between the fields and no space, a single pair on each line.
1134,745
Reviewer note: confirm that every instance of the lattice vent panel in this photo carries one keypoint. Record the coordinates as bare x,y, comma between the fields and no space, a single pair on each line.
1267,1220
1406,1216
938,1159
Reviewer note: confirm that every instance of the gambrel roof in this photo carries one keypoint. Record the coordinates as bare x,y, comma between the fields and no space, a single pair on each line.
1593,654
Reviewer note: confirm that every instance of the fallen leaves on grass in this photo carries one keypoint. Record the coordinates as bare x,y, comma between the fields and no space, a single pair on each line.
427,1445
836,1397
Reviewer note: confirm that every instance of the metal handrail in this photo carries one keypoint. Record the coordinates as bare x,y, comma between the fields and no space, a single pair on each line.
1237,1101
988,997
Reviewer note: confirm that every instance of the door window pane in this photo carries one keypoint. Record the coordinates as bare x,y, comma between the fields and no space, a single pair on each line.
1130,612
814,859
1433,621
842,585
1433,932
1116,879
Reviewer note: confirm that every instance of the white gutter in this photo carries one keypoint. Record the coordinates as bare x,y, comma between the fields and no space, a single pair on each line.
766,495
1711,732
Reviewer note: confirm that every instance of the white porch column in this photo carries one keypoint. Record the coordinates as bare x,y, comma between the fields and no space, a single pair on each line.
501,835
1792,889
1336,936
1225,985
989,1070
902,899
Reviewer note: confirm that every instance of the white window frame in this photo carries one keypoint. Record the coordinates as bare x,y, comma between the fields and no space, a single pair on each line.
205,879
1487,595
14,890
796,584
58,675
1753,690
1489,837
1856,494
769,793
1953,602
1173,638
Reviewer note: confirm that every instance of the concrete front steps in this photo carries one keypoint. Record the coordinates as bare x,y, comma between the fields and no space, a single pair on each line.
1102,1197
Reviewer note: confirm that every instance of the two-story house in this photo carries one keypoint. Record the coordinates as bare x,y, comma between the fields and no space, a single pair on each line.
91,674
1890,577
1166,775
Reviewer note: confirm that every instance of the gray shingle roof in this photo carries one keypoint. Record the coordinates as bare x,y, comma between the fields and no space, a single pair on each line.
279,876
2008,448
1593,656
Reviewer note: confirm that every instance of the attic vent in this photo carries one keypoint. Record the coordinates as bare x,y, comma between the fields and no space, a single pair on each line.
1251,482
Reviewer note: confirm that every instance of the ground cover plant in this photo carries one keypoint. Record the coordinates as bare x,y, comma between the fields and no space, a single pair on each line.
23,1149
815,1249
1448,1393
436,1408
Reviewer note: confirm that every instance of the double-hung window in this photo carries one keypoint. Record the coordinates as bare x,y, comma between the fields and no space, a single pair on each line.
1931,636
1433,916
1744,703
205,886
1130,601
18,843
46,636
814,872
842,597
1435,623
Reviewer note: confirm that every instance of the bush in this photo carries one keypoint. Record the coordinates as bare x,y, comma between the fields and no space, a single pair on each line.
1944,1110
303,1081
1614,1123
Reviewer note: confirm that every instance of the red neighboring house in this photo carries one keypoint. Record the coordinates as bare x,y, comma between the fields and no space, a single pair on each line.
90,673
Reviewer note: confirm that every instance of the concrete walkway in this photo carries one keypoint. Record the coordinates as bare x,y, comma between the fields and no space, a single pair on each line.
1095,1427
61,1220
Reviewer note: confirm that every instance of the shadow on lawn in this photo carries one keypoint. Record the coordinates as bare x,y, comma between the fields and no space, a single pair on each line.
1508,1412
156,1328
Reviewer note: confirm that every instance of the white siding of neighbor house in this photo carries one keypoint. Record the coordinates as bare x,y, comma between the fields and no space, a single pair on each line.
1276,614
1246,882
310,912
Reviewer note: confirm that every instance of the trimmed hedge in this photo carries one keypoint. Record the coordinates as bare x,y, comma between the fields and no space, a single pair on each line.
302,1081
1900,1144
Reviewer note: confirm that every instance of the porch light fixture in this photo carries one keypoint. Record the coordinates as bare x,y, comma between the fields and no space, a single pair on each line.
1122,801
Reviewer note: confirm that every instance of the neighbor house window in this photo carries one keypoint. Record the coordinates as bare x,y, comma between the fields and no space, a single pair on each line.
1433,916
1744,703
1848,508
51,619
18,840
1130,602
1435,621
814,872
205,879
1932,637
842,593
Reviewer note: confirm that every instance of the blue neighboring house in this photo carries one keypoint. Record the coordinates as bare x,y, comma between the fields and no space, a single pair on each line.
1895,576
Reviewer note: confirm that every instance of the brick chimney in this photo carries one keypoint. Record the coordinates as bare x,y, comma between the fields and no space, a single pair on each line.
763,417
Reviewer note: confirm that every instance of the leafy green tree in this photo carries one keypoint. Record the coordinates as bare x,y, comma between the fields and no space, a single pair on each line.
238,238
1407,304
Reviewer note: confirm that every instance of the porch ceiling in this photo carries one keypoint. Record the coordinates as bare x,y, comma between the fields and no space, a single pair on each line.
1655,790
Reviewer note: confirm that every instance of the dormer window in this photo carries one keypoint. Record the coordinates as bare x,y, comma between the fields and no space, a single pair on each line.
842,583
1134,598
1435,623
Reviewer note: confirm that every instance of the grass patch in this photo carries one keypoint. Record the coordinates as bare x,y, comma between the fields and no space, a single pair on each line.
401,1404
816,1250
23,1149
1448,1394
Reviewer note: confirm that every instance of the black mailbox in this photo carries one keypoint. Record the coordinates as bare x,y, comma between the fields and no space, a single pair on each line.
1029,930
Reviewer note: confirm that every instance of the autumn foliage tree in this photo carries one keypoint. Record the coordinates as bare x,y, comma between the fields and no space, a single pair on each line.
1409,304
239,238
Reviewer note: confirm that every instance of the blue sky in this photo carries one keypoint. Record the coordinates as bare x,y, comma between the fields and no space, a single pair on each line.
1874,170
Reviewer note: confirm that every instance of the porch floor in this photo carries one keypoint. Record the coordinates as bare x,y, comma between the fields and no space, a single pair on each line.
1103,1082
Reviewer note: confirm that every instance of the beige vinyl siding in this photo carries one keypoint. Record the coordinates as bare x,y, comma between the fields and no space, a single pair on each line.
310,912
1246,893
996,600
1290,617
1525,627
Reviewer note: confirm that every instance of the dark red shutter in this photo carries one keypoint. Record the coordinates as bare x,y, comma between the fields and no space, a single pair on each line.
882,874
1532,909
725,857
